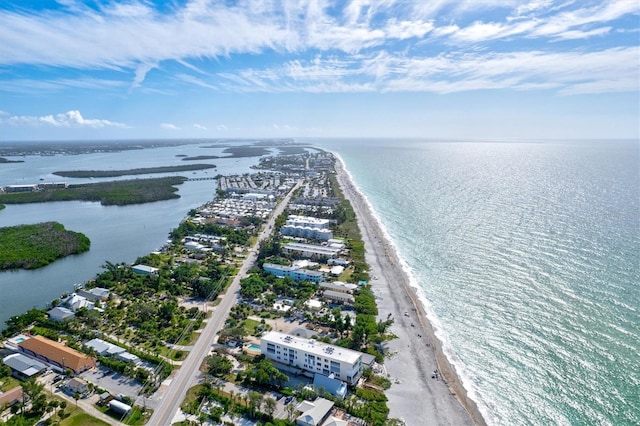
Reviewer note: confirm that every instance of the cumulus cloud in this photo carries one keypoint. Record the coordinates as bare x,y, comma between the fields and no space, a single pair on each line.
199,126
68,119
169,126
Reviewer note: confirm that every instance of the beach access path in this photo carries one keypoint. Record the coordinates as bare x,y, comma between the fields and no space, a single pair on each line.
414,396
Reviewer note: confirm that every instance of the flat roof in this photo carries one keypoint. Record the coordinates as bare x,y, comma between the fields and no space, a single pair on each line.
311,247
312,346
24,364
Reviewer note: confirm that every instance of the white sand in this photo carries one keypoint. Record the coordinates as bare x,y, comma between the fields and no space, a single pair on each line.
415,396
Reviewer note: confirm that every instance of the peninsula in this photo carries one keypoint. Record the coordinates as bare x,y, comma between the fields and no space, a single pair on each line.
141,171
35,246
121,192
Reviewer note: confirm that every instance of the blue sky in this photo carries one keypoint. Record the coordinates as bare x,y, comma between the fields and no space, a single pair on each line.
480,69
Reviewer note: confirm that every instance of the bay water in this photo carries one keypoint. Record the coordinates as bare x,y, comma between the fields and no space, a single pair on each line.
117,233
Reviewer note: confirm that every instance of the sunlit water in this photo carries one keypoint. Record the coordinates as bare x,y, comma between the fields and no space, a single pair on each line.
527,255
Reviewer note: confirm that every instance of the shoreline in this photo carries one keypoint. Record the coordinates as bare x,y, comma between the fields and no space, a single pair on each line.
416,352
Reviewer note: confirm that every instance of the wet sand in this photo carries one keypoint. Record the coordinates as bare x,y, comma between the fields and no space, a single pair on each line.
415,396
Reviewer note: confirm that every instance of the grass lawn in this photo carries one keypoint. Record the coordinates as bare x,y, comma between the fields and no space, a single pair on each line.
80,418
8,383
136,418
250,326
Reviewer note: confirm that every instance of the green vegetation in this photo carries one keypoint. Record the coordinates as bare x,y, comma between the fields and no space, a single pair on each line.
2,206
34,246
200,158
79,418
6,160
123,192
245,151
233,236
141,171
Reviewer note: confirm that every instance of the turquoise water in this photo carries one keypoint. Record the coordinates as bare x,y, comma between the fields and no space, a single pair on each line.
254,347
526,255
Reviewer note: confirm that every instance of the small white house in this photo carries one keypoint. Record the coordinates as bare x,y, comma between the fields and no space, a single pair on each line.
59,314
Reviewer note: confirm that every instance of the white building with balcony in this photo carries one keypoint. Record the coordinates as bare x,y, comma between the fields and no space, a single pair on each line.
312,356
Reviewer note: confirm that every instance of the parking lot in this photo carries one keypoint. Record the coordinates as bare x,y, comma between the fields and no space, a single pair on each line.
115,383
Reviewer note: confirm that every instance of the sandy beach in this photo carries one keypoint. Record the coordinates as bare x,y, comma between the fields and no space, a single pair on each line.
415,396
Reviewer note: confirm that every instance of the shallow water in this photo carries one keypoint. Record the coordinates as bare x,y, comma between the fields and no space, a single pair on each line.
527,257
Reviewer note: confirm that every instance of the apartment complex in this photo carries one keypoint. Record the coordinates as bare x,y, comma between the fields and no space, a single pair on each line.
312,356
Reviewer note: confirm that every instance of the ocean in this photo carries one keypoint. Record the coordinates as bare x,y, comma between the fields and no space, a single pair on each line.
527,258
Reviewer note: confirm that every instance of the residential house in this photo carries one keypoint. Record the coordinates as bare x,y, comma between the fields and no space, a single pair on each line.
59,314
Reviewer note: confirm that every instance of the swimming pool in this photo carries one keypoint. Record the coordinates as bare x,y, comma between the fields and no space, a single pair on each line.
254,347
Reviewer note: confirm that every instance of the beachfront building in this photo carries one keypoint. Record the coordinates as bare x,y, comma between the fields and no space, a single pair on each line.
296,274
307,221
312,251
57,354
329,384
312,356
338,296
307,227
314,413
338,286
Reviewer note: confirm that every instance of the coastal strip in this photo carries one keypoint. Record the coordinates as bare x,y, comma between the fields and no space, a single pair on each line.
417,395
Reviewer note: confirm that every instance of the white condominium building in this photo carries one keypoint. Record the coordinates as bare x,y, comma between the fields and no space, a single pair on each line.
307,221
312,356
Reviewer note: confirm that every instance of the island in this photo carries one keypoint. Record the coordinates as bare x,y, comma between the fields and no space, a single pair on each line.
199,157
6,160
141,171
119,193
35,246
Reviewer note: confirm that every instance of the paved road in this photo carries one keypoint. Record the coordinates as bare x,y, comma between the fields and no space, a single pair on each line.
188,374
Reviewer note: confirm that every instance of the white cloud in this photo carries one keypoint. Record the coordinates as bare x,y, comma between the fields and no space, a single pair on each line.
169,126
221,127
315,46
69,119
199,126
577,34
565,72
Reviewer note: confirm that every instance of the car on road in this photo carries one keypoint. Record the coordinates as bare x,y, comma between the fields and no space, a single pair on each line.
288,400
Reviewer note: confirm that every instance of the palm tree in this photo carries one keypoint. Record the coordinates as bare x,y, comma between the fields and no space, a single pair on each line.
269,405
291,412
255,401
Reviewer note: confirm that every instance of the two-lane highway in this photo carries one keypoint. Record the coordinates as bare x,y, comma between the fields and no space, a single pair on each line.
188,374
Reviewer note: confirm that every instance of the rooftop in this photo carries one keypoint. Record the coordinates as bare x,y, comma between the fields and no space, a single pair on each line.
55,351
314,347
